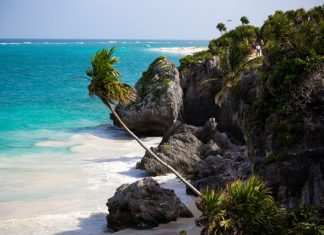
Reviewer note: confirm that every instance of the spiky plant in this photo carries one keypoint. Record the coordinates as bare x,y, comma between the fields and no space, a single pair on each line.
242,208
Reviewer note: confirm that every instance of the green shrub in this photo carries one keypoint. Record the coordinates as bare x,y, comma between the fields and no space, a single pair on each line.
182,232
167,147
293,48
305,220
234,47
189,60
242,208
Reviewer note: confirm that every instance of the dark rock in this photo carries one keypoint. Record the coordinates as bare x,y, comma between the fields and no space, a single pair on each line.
180,151
216,171
142,205
198,93
159,100
287,150
181,147
230,117
179,128
208,149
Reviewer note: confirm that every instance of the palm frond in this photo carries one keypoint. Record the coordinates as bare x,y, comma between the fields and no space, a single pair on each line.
105,81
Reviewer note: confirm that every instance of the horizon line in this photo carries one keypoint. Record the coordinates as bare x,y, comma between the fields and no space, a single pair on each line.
117,39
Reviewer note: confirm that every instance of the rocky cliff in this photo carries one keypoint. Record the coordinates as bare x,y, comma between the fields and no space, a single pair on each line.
159,99
268,111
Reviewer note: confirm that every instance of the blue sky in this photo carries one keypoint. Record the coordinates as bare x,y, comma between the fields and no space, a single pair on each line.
132,19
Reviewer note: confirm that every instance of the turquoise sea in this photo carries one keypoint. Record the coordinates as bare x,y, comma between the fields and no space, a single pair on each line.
60,157
43,88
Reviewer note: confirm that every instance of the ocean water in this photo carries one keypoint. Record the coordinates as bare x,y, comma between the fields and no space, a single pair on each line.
60,157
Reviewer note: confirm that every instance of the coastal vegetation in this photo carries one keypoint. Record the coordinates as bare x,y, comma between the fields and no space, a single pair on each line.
268,95
241,208
248,208
221,27
244,20
288,69
105,84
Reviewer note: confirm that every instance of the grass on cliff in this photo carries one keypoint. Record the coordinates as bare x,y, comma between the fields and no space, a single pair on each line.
158,89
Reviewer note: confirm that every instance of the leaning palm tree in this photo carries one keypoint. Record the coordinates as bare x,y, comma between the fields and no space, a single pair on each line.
105,84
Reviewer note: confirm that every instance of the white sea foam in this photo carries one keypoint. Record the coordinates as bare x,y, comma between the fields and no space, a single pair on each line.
57,193
55,43
179,50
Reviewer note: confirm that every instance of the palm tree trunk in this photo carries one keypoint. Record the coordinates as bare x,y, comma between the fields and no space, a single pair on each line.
149,150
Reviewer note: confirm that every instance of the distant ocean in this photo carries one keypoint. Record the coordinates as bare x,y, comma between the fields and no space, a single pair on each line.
60,157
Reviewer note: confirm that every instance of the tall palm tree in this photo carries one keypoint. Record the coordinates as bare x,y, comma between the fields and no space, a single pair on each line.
244,20
221,27
106,85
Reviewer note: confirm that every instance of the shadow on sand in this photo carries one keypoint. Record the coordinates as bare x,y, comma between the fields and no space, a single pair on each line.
95,224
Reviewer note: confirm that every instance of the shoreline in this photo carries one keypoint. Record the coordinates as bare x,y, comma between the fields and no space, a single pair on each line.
80,206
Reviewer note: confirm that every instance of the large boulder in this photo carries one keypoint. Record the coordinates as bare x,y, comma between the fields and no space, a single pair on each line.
142,205
159,99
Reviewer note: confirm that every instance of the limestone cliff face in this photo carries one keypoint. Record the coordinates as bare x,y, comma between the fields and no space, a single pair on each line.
158,102
200,83
286,150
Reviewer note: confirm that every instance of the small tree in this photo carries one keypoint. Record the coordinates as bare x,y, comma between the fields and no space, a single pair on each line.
105,84
221,27
244,20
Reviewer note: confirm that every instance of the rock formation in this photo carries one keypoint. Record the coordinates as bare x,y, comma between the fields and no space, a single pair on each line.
158,102
208,157
142,205
200,84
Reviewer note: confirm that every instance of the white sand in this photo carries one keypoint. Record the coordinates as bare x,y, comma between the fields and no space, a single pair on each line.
66,193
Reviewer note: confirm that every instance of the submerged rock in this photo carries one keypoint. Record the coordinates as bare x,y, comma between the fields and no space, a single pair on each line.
158,102
142,205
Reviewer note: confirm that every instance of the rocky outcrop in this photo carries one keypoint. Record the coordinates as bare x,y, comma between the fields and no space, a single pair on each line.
217,170
200,84
142,205
180,151
287,150
159,99
293,152
208,157
180,147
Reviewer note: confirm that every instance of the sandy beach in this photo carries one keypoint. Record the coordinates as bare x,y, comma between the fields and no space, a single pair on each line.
66,194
